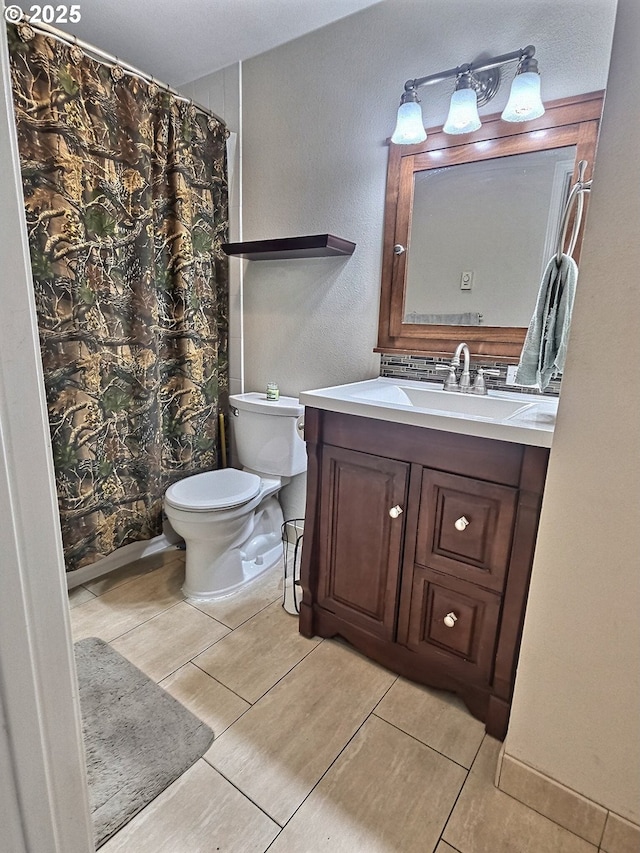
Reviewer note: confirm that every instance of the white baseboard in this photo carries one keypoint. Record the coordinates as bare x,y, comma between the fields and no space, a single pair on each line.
124,555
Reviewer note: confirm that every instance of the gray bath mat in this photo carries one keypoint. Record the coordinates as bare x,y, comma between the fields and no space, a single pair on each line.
138,738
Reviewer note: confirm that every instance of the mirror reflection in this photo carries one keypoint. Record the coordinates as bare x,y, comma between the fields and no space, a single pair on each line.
481,235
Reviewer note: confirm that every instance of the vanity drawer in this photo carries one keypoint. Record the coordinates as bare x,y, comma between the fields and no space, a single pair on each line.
465,527
454,625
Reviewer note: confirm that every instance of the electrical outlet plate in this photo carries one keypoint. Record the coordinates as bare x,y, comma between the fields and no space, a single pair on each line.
466,280
511,374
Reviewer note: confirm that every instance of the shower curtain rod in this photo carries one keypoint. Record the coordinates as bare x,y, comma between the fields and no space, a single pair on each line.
111,60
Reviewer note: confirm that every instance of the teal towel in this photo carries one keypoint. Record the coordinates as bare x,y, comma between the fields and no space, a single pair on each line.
545,346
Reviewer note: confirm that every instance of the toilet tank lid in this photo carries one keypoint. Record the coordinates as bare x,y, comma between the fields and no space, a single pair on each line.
222,489
256,401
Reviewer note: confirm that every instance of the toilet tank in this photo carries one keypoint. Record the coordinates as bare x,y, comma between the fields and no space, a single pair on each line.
267,434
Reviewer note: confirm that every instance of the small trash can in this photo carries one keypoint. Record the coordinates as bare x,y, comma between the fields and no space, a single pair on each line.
292,532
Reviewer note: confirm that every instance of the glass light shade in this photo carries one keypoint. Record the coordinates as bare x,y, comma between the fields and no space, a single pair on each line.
409,127
524,100
463,112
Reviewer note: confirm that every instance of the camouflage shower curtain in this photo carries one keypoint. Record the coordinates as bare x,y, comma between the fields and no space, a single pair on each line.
126,208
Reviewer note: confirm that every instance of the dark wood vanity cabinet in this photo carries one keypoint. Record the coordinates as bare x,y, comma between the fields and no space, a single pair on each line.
418,549
359,569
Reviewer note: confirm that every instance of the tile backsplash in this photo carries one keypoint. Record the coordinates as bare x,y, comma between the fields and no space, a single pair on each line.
423,367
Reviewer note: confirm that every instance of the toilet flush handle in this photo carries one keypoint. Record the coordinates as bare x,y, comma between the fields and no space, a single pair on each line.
234,411
300,426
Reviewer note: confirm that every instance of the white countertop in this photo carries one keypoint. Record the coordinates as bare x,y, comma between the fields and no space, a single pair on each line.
390,400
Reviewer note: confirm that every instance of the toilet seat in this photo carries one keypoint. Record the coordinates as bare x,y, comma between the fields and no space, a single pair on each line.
213,490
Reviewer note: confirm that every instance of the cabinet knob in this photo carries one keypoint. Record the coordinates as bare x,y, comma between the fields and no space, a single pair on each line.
395,511
399,249
461,523
450,619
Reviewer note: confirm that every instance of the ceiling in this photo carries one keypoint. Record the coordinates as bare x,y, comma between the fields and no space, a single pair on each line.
178,41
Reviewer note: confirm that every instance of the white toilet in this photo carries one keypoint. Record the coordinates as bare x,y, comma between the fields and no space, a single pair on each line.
231,520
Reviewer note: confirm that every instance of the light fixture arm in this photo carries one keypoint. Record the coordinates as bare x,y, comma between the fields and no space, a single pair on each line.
524,53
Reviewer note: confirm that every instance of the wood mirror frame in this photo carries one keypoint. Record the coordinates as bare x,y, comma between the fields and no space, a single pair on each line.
566,122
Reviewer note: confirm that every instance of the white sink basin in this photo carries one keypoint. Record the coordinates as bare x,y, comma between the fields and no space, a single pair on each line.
517,417
475,406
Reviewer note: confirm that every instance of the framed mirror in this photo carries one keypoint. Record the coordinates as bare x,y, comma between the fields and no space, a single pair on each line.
470,224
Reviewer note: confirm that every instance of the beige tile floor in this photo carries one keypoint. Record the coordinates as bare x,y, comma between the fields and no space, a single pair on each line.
316,750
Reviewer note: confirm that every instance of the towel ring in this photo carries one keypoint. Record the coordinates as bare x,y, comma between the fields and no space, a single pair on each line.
577,192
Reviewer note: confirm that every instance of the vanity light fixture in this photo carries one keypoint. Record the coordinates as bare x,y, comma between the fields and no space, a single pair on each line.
410,126
524,100
463,111
476,84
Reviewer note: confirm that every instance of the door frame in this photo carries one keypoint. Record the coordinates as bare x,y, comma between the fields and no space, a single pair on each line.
43,779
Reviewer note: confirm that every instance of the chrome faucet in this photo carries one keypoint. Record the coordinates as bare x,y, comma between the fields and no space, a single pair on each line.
451,383
464,384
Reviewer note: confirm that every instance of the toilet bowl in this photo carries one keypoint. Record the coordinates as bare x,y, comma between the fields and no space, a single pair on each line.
230,519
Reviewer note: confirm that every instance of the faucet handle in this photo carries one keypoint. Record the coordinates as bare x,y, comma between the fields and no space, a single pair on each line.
450,383
479,385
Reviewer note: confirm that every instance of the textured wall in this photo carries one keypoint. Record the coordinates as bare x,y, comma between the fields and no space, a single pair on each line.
576,708
316,114
221,93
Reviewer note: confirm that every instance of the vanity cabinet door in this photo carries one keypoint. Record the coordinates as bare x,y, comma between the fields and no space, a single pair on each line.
465,527
362,518
453,625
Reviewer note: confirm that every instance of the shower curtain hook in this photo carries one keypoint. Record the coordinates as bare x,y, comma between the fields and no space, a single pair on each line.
117,71
75,51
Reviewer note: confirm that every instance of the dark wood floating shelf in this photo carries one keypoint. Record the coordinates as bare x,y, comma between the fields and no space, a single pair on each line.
314,246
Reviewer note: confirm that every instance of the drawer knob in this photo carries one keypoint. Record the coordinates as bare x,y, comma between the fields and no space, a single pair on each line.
450,619
461,523
395,511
